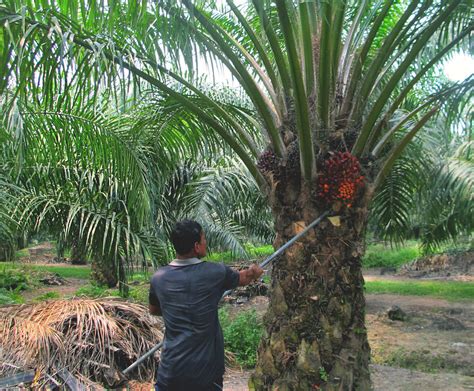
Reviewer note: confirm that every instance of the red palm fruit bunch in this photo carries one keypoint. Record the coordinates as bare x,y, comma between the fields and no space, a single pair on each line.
340,178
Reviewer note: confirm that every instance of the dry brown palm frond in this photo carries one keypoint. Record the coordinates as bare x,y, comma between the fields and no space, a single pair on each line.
25,342
90,338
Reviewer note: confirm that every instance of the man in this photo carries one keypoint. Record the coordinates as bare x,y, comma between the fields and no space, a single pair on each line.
186,293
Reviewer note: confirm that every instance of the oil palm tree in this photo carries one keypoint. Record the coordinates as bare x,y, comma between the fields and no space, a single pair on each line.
325,80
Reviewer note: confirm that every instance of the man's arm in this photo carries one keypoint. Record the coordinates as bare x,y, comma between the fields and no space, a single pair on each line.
153,303
248,275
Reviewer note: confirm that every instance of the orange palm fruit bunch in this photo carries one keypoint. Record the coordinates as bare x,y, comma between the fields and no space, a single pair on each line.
340,178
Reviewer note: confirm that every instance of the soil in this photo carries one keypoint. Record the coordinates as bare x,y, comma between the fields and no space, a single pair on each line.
384,378
71,285
43,253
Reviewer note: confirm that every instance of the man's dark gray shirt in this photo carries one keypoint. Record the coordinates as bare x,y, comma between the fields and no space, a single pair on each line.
188,292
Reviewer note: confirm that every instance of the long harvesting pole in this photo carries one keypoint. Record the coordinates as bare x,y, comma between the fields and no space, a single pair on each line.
272,257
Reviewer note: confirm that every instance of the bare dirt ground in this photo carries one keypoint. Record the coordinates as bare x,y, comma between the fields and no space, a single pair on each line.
43,253
71,285
429,340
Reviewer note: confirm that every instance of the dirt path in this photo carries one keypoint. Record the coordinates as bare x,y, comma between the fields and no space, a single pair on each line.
68,289
386,378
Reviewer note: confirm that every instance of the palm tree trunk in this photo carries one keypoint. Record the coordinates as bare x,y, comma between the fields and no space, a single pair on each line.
315,328
78,252
7,252
103,271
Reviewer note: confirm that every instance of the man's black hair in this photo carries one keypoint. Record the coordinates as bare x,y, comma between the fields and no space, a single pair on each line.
185,233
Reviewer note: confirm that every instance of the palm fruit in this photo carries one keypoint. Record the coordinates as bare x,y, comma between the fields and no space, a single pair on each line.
339,178
268,161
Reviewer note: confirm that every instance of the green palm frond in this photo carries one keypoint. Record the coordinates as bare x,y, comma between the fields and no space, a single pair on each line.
428,193
81,175
305,70
223,197
448,210
391,210
9,228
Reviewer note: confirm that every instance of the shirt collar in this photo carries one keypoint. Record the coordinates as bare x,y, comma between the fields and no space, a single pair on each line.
185,262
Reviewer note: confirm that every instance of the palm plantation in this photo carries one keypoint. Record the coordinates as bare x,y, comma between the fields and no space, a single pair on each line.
329,101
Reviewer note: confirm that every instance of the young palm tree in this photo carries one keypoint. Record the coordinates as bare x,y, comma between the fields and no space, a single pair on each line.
325,79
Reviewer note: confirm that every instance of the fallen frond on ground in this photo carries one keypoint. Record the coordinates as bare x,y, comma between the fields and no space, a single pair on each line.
92,339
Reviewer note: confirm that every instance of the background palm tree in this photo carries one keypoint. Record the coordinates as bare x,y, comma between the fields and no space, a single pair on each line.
325,80
428,195
111,186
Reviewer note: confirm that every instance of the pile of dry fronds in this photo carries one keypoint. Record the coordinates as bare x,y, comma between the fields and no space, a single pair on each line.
94,339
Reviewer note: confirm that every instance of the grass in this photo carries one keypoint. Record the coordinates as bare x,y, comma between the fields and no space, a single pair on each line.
253,251
23,253
424,361
10,297
13,282
95,291
48,296
381,255
80,272
449,290
141,277
137,293
15,279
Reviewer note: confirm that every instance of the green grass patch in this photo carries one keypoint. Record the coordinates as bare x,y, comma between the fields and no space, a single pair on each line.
48,296
14,279
381,255
23,253
139,293
242,335
10,297
260,251
449,290
136,293
424,361
253,251
80,272
140,277
95,291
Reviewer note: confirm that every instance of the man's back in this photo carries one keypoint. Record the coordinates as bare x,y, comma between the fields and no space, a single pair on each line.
188,296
